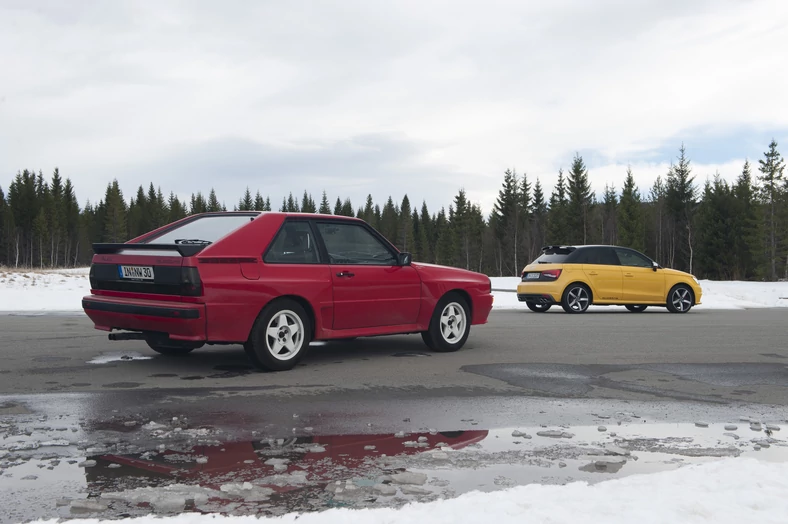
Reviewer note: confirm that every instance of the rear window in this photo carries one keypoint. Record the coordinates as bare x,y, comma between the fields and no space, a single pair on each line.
208,228
554,256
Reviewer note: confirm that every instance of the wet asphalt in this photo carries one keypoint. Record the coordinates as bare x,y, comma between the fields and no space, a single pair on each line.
90,427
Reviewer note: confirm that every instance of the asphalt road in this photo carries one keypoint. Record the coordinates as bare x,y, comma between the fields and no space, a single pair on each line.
708,356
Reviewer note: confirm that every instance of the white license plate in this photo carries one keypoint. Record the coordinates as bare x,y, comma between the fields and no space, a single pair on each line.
533,276
136,272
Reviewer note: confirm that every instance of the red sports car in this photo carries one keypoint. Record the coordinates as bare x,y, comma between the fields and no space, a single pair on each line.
274,282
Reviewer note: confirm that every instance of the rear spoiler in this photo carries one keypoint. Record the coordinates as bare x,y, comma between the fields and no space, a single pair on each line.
185,250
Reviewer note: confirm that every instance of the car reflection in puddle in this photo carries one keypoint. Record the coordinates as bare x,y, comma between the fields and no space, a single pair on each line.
271,476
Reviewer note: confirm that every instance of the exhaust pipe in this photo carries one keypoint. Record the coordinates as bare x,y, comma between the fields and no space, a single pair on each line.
126,336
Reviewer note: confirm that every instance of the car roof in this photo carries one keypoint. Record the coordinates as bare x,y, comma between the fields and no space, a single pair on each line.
287,214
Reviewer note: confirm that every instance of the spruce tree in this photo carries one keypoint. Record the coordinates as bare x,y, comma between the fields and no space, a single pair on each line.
772,168
405,226
746,230
325,207
580,200
347,208
246,203
308,204
538,221
557,223
630,224
505,221
115,214
259,203
213,203
680,207
338,207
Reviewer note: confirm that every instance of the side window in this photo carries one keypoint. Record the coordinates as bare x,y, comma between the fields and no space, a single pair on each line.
353,244
294,244
597,255
632,258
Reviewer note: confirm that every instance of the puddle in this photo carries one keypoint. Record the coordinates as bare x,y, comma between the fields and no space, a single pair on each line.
106,358
194,469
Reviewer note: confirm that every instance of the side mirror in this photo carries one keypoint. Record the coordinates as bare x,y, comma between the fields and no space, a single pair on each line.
656,266
404,259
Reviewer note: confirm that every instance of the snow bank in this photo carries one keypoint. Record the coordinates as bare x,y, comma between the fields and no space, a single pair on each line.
62,290
41,291
716,295
727,491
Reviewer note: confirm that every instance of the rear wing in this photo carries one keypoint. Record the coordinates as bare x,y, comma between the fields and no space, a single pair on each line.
558,249
185,250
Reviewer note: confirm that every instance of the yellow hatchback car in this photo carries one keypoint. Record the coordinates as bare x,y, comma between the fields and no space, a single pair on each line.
578,276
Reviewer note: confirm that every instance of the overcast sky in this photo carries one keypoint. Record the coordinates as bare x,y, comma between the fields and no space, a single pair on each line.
367,96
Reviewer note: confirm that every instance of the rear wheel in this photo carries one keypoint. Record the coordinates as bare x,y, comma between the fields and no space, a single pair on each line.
576,299
680,299
636,309
538,308
171,347
450,324
280,336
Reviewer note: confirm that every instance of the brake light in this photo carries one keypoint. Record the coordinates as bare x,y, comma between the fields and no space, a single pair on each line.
191,284
551,273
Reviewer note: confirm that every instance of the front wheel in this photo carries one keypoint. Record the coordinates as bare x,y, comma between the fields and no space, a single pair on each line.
636,309
680,299
538,308
280,336
450,325
576,299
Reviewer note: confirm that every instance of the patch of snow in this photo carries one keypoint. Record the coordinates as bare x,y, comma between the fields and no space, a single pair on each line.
106,358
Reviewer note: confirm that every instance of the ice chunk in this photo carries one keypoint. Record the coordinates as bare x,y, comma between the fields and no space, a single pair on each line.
399,434
275,461
552,433
731,427
317,449
30,477
408,477
732,435
702,424
414,490
202,460
369,448
423,439
772,427
385,490
601,428
86,464
88,506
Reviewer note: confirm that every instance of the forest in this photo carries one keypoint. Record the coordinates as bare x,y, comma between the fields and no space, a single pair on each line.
715,229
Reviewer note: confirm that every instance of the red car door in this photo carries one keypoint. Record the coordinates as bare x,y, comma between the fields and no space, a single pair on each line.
370,288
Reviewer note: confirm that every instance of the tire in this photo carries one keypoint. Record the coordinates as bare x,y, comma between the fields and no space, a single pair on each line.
171,347
636,309
280,336
451,315
680,299
577,298
538,308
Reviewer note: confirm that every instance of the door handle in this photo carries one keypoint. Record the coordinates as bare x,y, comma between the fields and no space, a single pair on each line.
628,275
593,273
346,274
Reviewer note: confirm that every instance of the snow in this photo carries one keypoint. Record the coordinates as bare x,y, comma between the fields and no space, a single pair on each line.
732,490
716,294
62,290
106,358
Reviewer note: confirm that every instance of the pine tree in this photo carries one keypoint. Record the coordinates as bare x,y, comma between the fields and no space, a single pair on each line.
325,207
338,207
115,214
3,233
213,203
405,239
557,223
772,167
426,240
580,200
246,203
716,235
445,245
267,206
307,204
609,215
259,203
680,207
538,221
505,221
177,210
630,224
198,204
347,208
369,210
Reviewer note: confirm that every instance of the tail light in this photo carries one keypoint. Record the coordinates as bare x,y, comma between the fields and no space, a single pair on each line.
191,284
552,273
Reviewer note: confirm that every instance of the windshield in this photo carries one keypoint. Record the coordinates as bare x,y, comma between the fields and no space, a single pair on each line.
202,230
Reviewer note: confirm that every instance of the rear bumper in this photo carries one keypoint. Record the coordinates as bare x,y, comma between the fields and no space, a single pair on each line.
545,299
178,320
551,290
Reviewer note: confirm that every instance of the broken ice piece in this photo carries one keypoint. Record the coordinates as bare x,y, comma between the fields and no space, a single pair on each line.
756,426
731,427
407,477
113,466
601,428
280,467
275,461
423,439
702,424
552,433
86,464
202,460
369,448
414,490
317,449
399,434
772,427
734,436
385,490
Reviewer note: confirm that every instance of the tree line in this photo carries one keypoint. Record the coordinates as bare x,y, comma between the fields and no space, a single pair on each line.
720,230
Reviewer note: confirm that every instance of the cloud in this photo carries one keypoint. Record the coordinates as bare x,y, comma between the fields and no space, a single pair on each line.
417,97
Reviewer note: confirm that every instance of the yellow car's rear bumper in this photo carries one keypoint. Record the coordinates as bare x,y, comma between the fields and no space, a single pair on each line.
539,292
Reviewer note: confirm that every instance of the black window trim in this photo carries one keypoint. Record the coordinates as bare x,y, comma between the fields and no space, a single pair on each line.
322,257
375,233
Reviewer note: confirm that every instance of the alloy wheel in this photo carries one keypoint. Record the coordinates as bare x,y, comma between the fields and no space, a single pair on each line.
453,322
681,298
284,335
578,299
